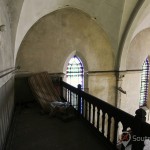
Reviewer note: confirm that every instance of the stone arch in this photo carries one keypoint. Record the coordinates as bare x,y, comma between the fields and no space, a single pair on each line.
77,53
139,50
86,37
139,23
56,36
36,9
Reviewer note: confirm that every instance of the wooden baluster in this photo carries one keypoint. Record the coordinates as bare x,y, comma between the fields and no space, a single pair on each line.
62,93
66,94
79,98
73,99
93,115
103,123
70,98
85,109
98,119
61,88
89,112
115,132
76,101
109,128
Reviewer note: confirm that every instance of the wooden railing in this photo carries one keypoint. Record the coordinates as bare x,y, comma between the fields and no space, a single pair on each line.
107,120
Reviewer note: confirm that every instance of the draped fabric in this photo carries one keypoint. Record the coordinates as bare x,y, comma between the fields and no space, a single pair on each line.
43,89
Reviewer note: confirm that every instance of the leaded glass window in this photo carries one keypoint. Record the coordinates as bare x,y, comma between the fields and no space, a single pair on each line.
75,72
144,83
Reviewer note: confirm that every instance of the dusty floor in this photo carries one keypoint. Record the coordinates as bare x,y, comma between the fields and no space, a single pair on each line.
33,131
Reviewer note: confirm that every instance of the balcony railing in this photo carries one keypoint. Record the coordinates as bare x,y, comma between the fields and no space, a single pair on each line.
107,120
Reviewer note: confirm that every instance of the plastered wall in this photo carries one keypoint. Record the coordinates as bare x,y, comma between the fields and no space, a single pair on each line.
15,7
139,50
51,41
129,102
106,13
53,38
103,86
7,82
6,53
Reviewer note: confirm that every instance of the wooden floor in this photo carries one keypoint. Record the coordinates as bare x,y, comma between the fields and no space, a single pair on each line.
32,130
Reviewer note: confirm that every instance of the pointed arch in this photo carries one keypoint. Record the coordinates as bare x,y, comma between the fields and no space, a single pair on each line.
77,56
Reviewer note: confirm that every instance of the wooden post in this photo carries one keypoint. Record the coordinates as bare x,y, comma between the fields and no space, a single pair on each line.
79,98
137,129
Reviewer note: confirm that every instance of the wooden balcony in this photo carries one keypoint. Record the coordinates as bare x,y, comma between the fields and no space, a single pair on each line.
32,130
96,127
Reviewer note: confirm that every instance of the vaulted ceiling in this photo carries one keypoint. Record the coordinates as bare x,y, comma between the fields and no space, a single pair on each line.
116,17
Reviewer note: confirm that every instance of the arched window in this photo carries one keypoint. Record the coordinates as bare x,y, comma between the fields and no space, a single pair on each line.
75,72
144,83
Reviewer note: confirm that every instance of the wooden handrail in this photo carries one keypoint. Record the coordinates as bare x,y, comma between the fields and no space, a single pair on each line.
95,110
2,74
96,101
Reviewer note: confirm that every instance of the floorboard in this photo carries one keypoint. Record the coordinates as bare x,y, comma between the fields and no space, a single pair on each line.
32,130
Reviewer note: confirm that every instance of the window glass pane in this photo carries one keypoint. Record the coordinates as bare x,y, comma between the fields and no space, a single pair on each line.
144,83
75,72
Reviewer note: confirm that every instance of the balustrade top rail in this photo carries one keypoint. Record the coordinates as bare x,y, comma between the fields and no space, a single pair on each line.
119,114
136,124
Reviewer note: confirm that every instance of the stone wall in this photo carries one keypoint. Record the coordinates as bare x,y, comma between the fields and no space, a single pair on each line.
57,36
54,37
6,82
103,86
